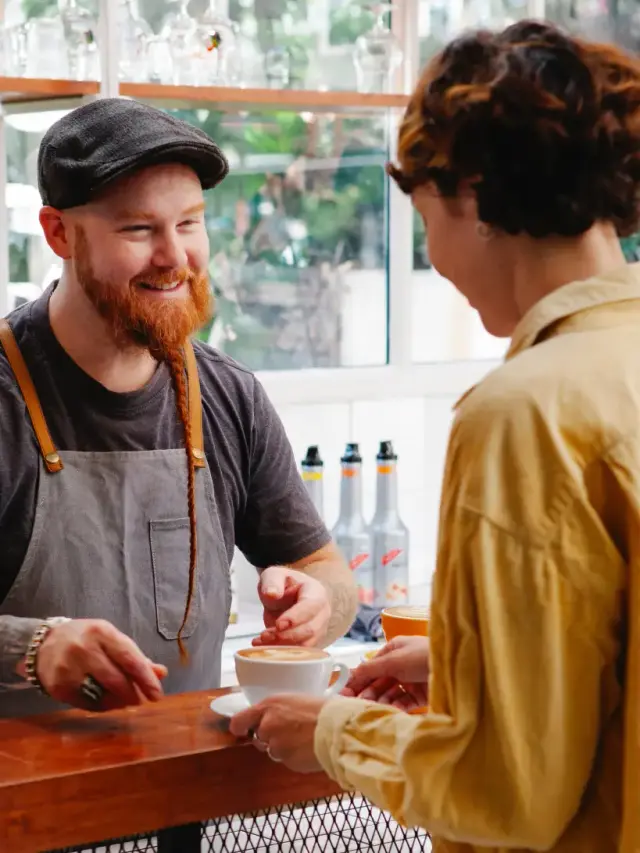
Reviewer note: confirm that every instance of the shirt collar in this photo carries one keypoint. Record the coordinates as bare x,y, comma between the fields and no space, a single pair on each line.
619,285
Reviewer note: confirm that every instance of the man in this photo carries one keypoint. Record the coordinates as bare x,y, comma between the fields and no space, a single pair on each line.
131,461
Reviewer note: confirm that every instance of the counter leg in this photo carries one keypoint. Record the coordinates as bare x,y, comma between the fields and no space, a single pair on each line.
180,839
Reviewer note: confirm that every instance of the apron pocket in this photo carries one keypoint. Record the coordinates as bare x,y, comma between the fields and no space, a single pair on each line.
169,540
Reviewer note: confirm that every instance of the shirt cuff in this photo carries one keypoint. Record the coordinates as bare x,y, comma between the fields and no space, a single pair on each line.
334,718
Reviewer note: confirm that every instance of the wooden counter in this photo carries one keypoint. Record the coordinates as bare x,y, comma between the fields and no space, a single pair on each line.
73,778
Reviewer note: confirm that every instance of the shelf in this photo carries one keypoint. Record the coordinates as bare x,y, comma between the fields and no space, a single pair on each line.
296,99
25,89
20,89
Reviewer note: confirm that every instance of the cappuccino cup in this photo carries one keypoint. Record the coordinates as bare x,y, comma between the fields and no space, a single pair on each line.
264,671
405,620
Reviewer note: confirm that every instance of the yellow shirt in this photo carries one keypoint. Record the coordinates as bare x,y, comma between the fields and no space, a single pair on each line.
539,532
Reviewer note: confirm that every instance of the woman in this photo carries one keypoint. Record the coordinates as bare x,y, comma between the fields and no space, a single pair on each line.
521,152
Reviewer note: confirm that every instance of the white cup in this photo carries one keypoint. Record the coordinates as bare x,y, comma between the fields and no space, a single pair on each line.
268,670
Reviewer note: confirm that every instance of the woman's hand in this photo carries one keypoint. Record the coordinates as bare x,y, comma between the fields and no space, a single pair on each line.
398,675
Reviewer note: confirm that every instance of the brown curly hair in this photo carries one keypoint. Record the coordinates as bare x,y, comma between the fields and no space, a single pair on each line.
545,127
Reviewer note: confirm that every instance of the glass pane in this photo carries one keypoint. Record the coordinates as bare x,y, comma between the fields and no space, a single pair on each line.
298,239
445,327
602,20
255,43
298,235
436,26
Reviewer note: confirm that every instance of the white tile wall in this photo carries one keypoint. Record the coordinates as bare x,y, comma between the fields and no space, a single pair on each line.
328,425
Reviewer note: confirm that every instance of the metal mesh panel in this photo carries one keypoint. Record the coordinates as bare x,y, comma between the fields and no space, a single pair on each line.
339,825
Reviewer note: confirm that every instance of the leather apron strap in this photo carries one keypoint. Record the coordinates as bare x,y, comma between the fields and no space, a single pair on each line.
50,455
16,362
195,406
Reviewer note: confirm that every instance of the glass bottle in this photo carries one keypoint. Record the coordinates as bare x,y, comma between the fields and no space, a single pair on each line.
377,54
135,36
80,30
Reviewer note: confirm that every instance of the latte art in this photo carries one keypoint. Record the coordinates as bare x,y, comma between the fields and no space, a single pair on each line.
283,653
406,611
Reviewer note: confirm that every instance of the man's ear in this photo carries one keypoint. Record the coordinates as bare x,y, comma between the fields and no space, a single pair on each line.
56,230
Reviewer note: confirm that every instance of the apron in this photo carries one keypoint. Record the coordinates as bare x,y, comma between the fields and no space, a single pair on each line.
110,540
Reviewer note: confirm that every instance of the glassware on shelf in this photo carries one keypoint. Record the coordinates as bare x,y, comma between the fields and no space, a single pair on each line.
135,37
277,67
249,61
216,63
377,54
14,50
80,30
179,37
46,49
14,34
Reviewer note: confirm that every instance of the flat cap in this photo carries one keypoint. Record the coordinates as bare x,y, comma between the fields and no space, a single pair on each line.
111,137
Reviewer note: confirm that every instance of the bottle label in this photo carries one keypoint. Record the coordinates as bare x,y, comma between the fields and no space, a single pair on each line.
392,578
385,469
361,565
350,472
366,594
390,556
396,594
357,561
309,476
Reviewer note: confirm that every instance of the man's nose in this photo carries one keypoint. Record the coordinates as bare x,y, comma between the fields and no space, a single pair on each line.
169,252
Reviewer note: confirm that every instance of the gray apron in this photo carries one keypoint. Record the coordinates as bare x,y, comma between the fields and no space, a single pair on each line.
110,540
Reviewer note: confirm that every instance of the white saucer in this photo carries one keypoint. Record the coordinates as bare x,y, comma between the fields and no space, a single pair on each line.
229,704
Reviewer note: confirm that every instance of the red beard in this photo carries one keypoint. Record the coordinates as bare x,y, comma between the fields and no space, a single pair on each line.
161,326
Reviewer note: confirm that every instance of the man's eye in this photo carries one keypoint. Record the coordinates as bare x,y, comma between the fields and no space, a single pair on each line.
132,228
190,222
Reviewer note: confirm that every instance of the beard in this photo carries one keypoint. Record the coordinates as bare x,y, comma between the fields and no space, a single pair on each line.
158,325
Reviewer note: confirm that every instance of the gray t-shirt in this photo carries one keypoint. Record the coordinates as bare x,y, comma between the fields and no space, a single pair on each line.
263,504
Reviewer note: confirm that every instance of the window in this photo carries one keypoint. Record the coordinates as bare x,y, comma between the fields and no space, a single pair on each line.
298,239
298,235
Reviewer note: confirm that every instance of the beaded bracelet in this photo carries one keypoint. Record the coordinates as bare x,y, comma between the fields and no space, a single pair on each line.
31,657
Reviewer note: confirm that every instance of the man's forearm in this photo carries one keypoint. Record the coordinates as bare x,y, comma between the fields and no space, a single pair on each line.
15,636
335,576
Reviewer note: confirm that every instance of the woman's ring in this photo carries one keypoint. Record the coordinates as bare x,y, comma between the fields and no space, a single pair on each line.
259,742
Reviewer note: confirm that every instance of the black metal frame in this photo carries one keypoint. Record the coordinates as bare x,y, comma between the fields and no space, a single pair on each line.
343,824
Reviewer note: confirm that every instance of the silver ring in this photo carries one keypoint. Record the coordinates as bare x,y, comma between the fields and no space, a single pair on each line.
258,740
272,757
92,689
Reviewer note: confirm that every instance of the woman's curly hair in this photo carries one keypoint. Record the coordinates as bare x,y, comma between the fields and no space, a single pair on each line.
545,127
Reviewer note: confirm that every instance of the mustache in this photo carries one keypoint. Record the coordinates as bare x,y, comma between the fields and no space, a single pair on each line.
154,277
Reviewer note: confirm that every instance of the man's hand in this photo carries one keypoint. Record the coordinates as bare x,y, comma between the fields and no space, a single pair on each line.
398,675
284,727
82,647
297,608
